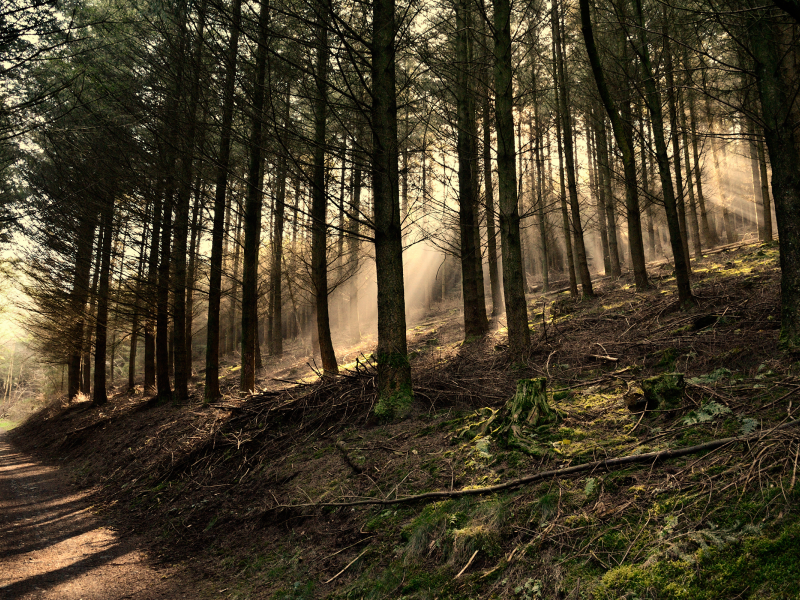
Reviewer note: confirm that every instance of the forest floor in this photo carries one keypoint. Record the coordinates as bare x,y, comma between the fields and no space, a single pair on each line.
234,492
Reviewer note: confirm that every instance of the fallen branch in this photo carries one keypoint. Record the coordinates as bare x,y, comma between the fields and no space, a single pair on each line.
343,449
609,464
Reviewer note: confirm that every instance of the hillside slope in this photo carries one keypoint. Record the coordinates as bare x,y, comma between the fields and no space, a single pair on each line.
235,490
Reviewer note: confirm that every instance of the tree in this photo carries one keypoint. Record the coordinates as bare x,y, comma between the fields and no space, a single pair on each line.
394,370
510,241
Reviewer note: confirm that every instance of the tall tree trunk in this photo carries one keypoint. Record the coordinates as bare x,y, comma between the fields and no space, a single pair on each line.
80,294
673,126
136,312
582,264
212,391
353,239
597,189
623,136
693,224
762,165
276,332
191,279
488,184
719,173
608,195
539,159
513,290
163,387
91,320
319,202
755,171
181,228
99,396
653,97
475,323
252,210
150,303
394,370
779,113
708,237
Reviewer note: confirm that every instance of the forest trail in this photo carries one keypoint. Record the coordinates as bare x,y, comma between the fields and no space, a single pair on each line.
53,547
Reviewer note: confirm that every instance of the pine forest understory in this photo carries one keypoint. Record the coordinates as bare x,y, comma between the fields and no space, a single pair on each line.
407,299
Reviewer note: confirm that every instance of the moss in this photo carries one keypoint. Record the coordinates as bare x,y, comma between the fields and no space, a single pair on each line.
396,405
664,390
757,567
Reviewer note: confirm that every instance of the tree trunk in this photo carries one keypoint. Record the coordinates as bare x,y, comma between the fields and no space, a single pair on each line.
778,114
319,203
762,165
91,323
475,323
653,97
164,389
755,171
607,195
181,228
708,237
582,264
624,139
394,370
353,239
212,391
488,184
694,225
673,126
252,211
80,294
596,190
276,304
99,396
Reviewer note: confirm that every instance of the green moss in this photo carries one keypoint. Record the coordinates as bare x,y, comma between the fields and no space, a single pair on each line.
396,405
757,567
664,390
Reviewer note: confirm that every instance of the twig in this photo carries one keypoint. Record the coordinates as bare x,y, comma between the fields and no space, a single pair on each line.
469,562
350,564
348,547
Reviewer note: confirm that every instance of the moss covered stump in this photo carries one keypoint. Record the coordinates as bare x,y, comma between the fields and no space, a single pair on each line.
665,391
515,423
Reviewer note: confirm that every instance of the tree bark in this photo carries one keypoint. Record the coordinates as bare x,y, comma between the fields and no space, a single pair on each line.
100,396
488,184
80,294
623,137
181,228
582,263
709,237
252,210
475,322
762,165
212,391
319,203
778,113
394,370
682,276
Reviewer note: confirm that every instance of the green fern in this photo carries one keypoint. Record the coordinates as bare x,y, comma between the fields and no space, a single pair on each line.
708,412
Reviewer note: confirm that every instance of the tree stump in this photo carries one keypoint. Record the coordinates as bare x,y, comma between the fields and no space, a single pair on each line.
513,424
665,391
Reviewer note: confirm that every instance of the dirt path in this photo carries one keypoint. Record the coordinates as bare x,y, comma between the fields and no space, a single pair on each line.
53,547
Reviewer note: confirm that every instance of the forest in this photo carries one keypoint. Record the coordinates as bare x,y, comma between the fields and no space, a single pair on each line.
311,231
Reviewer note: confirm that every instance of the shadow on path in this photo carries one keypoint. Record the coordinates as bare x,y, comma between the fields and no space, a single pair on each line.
53,548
